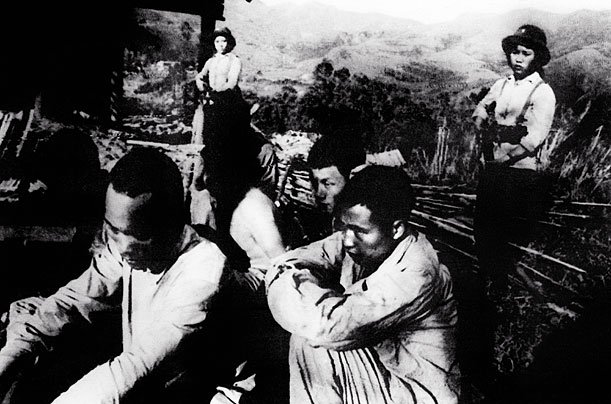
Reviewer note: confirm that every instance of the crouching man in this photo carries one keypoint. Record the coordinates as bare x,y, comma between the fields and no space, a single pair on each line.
152,266
370,308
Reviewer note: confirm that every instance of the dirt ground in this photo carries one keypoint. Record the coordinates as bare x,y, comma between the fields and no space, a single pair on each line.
539,342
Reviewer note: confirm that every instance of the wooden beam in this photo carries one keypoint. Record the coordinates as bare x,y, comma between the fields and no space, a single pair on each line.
548,258
56,234
547,278
189,148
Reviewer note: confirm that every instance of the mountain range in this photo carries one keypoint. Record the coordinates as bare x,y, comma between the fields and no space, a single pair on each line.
283,43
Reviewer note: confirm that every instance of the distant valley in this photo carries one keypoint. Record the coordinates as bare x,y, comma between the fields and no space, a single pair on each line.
282,45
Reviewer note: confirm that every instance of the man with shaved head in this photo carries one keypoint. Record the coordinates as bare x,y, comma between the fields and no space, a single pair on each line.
151,266
370,308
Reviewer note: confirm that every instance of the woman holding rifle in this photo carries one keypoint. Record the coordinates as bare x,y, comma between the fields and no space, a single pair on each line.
514,119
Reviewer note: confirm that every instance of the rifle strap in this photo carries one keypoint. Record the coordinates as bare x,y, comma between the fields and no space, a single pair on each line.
520,117
500,93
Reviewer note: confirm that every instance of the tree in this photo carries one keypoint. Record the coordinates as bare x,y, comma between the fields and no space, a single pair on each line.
382,114
186,31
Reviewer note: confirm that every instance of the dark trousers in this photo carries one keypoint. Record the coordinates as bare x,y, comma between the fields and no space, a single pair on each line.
509,202
226,118
261,342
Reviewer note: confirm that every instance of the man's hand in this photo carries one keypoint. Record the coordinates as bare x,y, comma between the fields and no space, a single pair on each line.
299,275
303,275
221,398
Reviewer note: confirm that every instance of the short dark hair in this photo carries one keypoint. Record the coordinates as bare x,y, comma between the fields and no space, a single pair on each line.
385,191
343,152
149,171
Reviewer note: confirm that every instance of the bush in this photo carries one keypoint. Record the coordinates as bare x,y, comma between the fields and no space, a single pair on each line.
382,113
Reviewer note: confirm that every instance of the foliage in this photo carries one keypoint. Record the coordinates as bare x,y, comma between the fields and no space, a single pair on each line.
448,41
153,38
163,89
578,151
578,75
382,113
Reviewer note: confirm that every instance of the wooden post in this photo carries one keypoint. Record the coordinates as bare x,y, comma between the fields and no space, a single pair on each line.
206,47
117,64
116,94
38,106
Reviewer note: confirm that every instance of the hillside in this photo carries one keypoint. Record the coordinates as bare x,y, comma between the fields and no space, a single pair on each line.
282,44
583,29
286,42
579,72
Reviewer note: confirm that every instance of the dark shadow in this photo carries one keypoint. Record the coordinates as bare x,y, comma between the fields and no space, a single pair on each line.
571,366
476,325
68,164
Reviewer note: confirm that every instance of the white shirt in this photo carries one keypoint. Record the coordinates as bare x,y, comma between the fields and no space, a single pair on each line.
158,312
510,96
405,310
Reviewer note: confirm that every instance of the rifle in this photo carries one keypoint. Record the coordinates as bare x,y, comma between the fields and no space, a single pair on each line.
492,133
487,135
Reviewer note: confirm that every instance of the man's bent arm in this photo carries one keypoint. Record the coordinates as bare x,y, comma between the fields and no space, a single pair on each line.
402,291
321,258
157,340
95,290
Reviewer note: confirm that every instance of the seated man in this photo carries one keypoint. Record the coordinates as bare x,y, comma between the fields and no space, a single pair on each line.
370,308
331,160
152,266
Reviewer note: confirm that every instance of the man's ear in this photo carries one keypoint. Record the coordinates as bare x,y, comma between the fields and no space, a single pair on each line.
399,229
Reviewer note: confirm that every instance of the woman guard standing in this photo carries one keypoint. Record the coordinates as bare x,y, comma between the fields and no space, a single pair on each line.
514,119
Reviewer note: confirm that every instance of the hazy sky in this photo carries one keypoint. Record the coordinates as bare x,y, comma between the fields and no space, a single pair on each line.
430,11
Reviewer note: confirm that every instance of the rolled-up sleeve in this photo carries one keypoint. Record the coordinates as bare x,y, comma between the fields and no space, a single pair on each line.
539,117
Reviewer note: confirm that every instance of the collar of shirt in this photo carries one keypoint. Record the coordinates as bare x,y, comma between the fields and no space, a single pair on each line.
532,78
354,272
188,239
